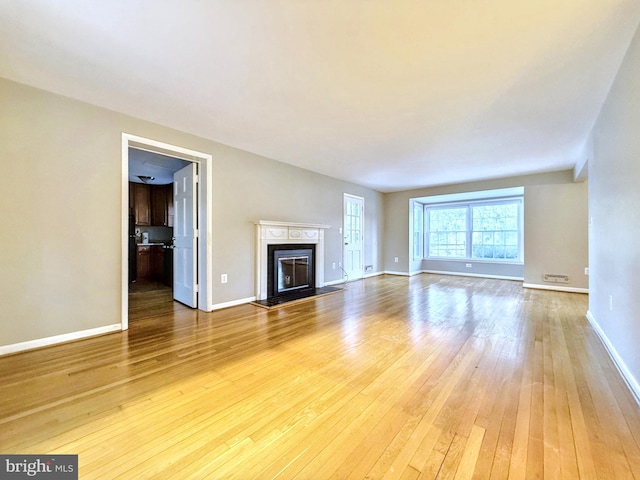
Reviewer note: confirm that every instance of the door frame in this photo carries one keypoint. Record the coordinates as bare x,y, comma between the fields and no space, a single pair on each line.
205,205
361,199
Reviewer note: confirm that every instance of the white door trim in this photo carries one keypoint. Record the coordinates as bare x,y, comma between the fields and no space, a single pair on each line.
205,202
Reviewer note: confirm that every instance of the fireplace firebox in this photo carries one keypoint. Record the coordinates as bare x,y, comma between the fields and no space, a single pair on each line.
290,269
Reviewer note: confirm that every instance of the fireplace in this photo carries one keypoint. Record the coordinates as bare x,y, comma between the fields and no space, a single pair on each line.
288,238
290,269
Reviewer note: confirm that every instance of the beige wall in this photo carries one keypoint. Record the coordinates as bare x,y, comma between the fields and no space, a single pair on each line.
61,209
555,232
61,238
614,209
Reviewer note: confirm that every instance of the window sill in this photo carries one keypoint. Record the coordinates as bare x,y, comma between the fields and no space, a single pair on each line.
473,260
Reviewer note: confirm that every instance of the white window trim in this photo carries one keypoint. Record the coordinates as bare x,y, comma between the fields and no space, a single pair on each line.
420,256
518,199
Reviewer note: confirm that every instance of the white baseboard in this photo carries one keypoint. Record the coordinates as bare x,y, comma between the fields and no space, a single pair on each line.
477,275
64,338
391,272
555,288
628,377
374,274
342,280
232,303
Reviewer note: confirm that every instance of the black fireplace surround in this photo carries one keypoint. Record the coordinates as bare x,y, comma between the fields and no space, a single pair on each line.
290,269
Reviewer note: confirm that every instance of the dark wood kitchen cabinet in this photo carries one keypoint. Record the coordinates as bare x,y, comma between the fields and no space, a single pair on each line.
143,266
168,267
162,205
152,204
140,201
157,262
169,189
151,262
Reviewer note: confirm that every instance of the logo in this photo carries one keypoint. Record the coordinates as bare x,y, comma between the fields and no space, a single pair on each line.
51,467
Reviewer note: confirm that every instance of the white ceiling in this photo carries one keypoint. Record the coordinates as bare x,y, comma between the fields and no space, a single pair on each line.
389,94
150,164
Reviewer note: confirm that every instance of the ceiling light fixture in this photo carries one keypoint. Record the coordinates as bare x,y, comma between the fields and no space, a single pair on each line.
146,178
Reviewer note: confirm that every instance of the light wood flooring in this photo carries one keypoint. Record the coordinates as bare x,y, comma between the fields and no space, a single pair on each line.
395,377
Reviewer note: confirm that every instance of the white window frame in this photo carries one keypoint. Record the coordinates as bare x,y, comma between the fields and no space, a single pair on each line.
519,200
418,231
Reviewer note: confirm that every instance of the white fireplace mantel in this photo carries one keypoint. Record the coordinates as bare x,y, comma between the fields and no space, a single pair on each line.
279,233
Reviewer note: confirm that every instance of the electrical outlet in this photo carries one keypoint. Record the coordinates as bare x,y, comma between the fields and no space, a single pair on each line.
469,265
333,265
340,264
586,270
395,259
223,278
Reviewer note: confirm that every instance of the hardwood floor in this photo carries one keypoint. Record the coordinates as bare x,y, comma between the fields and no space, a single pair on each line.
423,377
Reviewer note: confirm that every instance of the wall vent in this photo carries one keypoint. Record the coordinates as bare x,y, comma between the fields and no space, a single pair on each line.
555,278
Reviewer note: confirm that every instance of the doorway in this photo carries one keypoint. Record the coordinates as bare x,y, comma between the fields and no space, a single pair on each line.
152,222
353,231
155,163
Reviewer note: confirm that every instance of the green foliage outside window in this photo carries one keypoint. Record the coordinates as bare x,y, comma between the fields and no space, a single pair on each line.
482,231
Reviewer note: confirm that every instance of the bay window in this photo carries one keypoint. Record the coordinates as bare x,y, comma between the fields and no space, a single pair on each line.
487,230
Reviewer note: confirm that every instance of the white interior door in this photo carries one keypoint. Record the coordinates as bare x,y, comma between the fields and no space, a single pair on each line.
185,232
353,254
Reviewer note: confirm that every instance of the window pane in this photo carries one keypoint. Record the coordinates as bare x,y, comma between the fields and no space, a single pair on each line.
448,219
511,252
447,237
495,228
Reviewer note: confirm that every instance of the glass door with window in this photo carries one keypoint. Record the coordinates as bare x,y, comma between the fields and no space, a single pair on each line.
353,253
